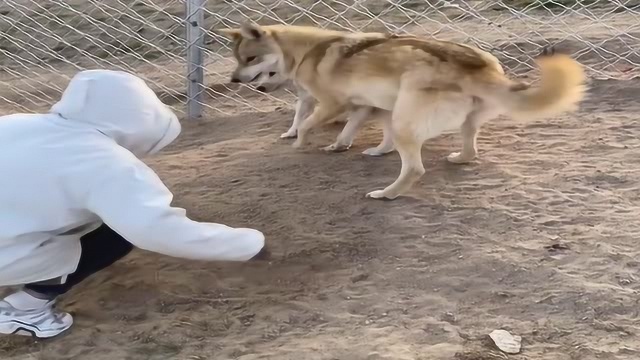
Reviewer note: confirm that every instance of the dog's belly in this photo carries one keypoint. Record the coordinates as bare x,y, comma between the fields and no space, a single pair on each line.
449,113
379,95
363,101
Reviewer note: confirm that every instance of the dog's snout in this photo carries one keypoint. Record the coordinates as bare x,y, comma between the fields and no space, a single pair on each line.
235,80
272,74
261,88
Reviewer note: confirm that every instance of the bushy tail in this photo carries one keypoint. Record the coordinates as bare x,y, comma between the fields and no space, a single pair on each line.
562,87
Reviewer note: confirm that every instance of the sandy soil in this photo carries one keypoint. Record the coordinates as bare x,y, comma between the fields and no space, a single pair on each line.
539,236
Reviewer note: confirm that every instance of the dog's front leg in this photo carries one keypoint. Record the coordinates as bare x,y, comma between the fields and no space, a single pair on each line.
304,106
323,112
358,117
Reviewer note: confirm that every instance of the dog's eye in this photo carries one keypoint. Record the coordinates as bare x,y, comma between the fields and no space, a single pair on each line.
251,58
272,74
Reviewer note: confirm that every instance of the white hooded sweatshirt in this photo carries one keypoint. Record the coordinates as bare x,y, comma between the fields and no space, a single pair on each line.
63,173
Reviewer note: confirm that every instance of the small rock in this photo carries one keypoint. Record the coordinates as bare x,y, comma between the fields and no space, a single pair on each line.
557,247
449,317
506,342
617,145
625,281
360,277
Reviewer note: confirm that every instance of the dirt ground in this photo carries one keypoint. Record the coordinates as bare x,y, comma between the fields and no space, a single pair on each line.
539,236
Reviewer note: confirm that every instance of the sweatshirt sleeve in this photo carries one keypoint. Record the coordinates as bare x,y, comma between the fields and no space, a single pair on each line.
134,202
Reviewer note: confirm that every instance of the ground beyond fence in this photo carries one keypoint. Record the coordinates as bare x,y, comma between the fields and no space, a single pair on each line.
43,43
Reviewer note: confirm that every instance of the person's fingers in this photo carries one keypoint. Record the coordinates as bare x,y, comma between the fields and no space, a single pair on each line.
264,254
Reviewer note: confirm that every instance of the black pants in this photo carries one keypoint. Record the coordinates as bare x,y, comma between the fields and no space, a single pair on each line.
100,248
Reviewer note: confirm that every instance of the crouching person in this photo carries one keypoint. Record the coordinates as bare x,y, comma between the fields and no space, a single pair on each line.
75,197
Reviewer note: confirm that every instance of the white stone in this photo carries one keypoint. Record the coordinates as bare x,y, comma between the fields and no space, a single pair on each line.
506,342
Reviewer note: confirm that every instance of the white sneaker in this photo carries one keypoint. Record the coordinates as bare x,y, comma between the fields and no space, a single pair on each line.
42,323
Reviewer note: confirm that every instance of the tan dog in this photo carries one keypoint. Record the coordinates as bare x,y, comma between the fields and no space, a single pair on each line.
429,86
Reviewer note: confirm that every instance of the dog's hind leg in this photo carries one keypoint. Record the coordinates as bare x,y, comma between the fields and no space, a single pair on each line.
469,132
410,128
418,115
386,146
412,170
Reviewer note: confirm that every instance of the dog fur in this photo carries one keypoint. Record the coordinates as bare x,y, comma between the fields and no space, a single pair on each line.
424,86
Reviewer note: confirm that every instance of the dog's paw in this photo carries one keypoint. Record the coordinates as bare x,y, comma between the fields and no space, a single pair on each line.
375,152
290,134
335,147
379,195
457,158
297,144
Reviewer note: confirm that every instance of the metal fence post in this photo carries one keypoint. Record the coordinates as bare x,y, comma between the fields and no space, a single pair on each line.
195,61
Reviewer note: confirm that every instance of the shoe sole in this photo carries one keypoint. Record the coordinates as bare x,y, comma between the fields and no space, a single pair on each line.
18,328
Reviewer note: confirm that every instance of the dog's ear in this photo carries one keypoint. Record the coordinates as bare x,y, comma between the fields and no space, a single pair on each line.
252,31
231,34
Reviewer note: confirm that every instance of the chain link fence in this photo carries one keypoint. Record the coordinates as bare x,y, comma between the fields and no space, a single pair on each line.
173,45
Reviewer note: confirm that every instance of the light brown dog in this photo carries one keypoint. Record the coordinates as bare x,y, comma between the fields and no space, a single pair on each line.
427,86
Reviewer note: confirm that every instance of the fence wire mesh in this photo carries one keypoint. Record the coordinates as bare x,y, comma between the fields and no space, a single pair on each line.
44,42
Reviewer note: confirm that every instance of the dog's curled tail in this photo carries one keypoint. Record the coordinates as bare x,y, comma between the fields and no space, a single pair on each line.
562,87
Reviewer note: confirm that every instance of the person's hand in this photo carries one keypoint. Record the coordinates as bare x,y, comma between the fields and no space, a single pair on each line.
263,255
